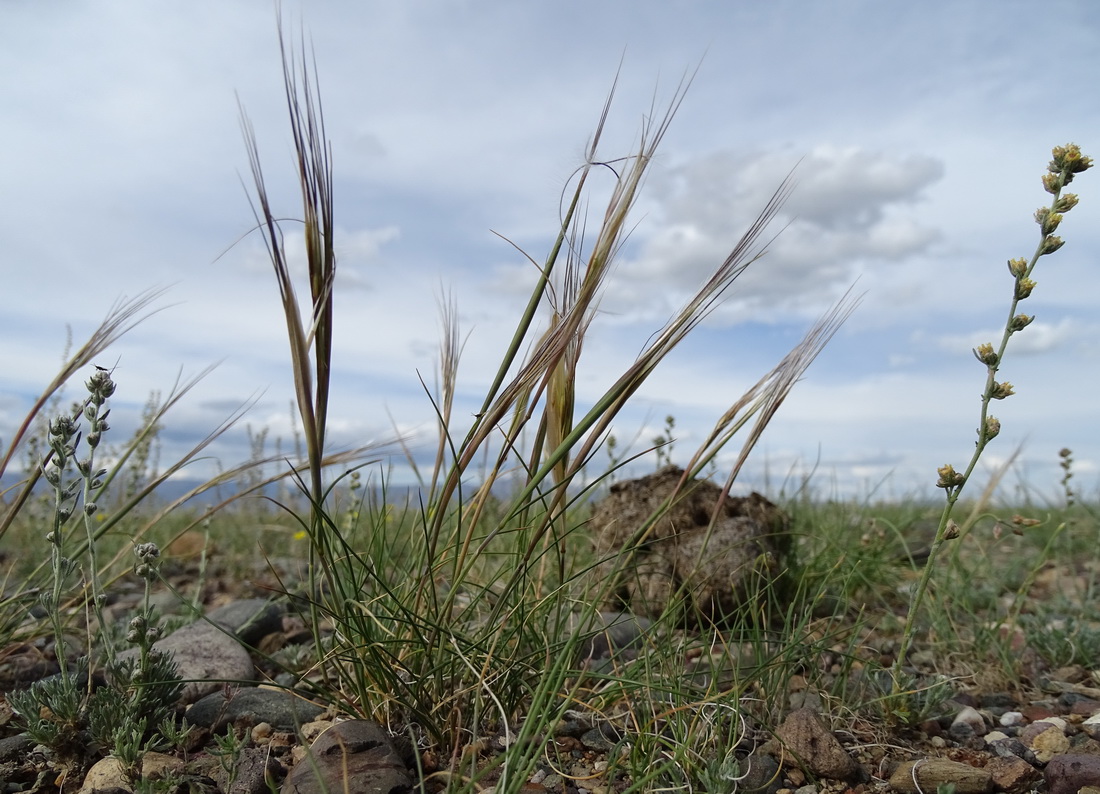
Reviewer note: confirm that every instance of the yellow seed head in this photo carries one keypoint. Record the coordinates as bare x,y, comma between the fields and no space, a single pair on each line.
1020,322
1000,390
1023,288
949,478
1051,244
992,427
1065,203
1048,221
1069,160
985,354
1017,266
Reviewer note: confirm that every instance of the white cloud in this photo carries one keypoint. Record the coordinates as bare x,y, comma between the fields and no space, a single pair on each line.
356,252
1037,339
849,207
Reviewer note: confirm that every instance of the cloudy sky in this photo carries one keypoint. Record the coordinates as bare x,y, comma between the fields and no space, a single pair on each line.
919,131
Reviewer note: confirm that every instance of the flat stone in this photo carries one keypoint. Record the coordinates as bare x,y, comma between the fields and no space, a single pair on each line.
920,777
206,658
250,619
1091,726
14,748
281,709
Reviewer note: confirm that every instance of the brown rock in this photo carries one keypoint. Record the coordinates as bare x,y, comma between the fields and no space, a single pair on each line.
1048,744
715,569
920,777
1033,712
1086,707
805,736
356,755
1068,774
1013,775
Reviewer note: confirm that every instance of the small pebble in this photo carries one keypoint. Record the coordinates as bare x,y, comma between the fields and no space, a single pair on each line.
1048,744
1091,726
1011,718
1057,722
1012,747
261,732
970,717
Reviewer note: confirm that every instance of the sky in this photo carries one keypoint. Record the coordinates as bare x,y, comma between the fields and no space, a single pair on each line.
918,133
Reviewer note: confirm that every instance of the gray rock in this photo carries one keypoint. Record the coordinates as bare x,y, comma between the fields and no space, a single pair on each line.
283,710
760,775
1010,747
714,569
206,657
13,748
602,738
968,722
357,755
614,635
255,772
250,619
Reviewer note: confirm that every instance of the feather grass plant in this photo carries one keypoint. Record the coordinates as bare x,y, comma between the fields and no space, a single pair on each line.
458,616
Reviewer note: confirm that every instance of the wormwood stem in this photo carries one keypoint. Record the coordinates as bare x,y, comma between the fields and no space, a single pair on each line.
1067,162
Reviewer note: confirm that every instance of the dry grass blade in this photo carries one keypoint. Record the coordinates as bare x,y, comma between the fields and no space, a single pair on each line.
312,333
599,419
764,398
552,352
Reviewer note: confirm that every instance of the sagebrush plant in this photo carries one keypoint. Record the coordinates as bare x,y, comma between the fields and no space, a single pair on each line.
102,498
1066,163
135,710
459,614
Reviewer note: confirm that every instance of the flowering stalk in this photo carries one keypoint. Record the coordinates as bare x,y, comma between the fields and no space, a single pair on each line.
1066,163
100,388
64,435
